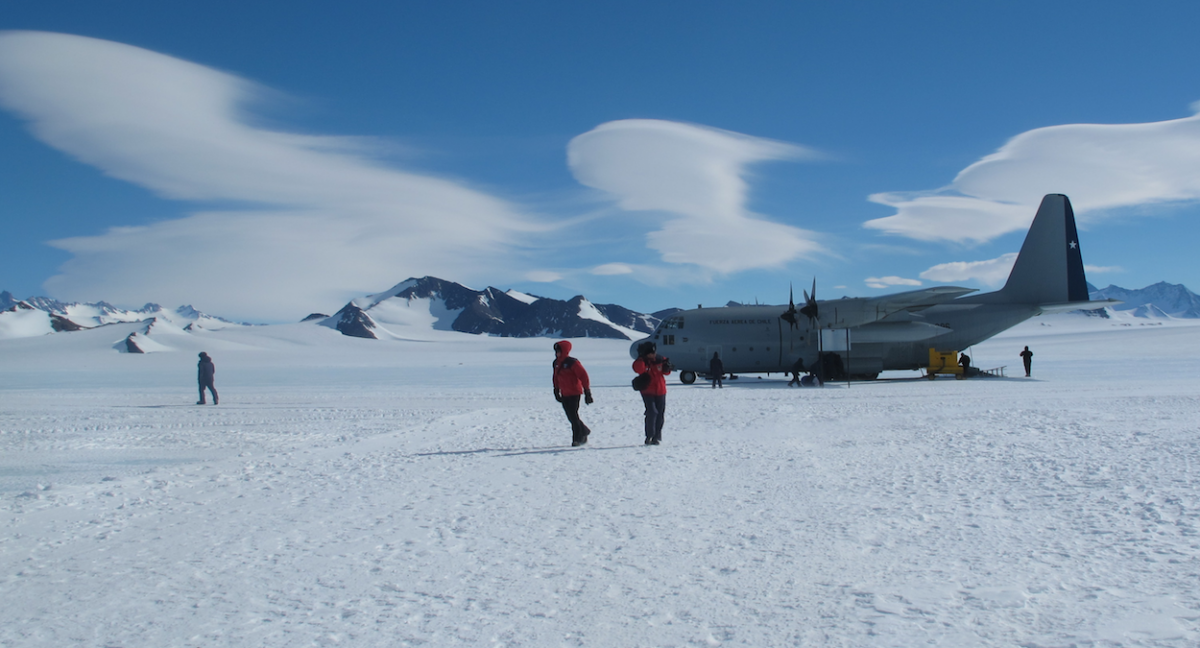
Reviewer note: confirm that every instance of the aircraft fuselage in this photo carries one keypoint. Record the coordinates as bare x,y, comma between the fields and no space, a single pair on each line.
754,339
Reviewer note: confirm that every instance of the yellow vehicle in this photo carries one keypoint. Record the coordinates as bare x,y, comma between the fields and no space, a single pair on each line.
943,362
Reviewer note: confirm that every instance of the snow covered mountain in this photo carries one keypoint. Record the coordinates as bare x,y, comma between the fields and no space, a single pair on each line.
23,320
409,310
432,303
42,316
1155,302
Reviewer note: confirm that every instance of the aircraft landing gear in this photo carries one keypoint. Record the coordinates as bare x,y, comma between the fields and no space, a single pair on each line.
687,377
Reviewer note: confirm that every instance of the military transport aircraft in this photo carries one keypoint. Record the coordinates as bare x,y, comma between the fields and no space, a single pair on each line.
858,337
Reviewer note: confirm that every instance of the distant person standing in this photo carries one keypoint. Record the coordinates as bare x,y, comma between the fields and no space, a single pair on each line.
1027,358
964,361
654,394
207,371
716,369
571,382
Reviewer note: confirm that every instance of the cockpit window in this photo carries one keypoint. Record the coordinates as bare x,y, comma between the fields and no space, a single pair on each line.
673,323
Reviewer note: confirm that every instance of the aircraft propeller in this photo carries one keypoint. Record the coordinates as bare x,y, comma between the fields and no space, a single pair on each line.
789,315
810,303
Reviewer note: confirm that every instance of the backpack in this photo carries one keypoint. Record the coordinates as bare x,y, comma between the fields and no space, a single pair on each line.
641,382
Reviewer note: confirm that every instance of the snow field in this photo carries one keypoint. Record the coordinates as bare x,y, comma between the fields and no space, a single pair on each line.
429,504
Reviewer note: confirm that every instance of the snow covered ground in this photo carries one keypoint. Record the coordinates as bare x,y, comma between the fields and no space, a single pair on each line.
401,493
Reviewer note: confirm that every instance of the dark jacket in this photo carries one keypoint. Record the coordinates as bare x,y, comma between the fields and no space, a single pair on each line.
570,378
206,370
715,367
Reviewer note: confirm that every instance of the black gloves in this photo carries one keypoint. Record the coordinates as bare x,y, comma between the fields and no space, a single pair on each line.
557,395
587,396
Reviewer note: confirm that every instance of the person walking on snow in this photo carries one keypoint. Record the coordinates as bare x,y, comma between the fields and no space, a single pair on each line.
654,394
716,369
570,382
207,370
1027,358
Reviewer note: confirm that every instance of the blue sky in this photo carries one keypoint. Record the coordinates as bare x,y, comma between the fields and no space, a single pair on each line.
267,160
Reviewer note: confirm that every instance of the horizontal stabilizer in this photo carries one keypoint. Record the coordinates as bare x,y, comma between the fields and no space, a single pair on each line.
1067,307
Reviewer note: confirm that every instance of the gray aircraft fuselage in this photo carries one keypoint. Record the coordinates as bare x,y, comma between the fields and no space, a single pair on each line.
754,339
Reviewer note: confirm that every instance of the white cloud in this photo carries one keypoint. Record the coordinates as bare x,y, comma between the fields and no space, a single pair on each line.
1091,269
697,174
330,219
888,282
612,269
992,272
543,276
1099,166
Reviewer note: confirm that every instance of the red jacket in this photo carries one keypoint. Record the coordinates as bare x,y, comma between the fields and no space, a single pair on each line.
658,384
570,378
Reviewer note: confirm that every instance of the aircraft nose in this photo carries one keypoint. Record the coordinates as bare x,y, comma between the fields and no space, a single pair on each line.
633,352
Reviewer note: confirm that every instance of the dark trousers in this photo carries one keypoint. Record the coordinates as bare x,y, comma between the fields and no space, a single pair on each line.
579,431
212,389
1028,364
656,407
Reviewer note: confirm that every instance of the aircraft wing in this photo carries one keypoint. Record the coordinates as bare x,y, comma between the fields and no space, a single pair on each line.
915,300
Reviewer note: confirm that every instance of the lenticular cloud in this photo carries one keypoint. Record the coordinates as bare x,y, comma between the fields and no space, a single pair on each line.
1100,166
992,272
327,217
697,175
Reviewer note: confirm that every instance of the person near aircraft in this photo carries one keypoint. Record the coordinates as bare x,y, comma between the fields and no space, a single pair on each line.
570,383
964,361
716,369
796,369
205,375
1027,359
654,395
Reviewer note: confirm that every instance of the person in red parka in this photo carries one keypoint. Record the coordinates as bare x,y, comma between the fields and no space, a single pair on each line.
654,395
571,382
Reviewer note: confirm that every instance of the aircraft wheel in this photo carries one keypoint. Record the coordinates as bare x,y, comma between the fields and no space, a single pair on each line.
687,377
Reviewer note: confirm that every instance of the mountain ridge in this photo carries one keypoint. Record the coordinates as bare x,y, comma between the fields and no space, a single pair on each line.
1154,301
424,303
449,306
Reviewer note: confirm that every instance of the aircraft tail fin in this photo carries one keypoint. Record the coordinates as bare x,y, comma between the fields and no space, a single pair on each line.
1049,268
